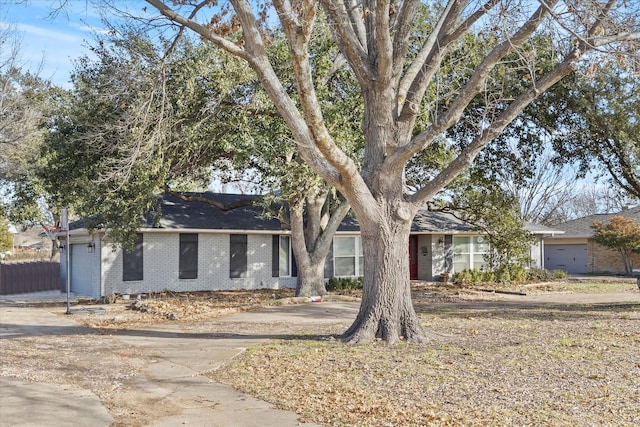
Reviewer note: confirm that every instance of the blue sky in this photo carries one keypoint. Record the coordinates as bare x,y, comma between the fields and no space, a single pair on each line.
48,42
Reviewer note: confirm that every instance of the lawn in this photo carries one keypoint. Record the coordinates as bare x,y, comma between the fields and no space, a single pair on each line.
487,363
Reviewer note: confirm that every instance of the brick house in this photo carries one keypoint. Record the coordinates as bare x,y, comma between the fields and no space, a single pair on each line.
577,253
196,246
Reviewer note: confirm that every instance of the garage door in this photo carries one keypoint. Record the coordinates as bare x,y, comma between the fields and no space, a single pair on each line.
81,271
570,258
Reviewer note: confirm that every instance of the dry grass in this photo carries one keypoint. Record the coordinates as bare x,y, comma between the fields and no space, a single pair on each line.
491,361
152,309
487,364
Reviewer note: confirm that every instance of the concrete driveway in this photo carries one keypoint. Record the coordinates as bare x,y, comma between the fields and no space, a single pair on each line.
175,376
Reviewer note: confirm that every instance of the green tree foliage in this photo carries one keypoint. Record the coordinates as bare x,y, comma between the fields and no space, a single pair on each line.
620,234
594,118
6,238
130,132
125,132
496,215
27,103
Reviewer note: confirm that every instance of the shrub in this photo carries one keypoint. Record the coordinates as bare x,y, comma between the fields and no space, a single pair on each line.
539,275
503,275
511,273
473,276
488,276
543,275
559,274
344,283
463,277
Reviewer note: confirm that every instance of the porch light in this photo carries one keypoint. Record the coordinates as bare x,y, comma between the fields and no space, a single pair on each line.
91,247
61,249
440,242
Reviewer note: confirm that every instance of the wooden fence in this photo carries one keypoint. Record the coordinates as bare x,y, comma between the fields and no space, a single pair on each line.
23,277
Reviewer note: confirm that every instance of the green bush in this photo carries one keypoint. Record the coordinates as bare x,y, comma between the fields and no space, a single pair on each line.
511,273
488,276
503,275
539,275
543,275
559,274
344,283
474,276
463,277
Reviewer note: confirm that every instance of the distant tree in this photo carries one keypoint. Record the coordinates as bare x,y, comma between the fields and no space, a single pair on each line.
597,199
6,238
620,234
26,106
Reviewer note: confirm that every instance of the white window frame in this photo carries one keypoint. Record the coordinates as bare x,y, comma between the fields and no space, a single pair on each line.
471,253
358,257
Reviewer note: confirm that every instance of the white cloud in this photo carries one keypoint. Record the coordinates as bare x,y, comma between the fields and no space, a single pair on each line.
92,29
49,34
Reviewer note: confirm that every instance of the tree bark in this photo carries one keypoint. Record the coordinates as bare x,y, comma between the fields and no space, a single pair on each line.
310,280
386,311
311,242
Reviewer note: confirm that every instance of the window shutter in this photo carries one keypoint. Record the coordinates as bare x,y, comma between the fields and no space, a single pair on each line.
132,261
188,262
238,255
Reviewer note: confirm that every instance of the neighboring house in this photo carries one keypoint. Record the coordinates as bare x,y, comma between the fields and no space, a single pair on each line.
31,241
197,247
575,251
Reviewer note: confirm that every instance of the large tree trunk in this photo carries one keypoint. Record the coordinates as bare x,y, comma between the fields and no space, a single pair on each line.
386,310
310,279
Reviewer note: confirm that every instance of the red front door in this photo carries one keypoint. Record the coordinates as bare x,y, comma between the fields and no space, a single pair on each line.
413,257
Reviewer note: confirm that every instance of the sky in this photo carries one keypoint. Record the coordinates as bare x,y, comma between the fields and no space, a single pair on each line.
50,43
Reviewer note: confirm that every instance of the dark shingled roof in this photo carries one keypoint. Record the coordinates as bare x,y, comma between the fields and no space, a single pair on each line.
581,227
195,215
426,221
178,214
438,222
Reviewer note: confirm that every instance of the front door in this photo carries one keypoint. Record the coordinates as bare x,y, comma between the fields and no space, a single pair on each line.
413,257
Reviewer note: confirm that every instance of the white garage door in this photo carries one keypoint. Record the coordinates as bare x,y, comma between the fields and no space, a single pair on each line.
81,271
570,258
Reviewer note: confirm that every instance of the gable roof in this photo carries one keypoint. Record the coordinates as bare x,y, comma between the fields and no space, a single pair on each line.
581,227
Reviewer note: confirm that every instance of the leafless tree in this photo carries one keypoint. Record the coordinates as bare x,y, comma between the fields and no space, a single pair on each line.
545,196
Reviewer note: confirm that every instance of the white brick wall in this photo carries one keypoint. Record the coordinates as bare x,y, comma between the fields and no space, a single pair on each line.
160,264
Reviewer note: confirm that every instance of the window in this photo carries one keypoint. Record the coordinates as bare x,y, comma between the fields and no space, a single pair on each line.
283,263
347,256
238,255
284,256
188,256
132,261
469,252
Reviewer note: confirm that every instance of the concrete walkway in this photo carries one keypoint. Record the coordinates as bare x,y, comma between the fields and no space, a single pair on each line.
175,376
